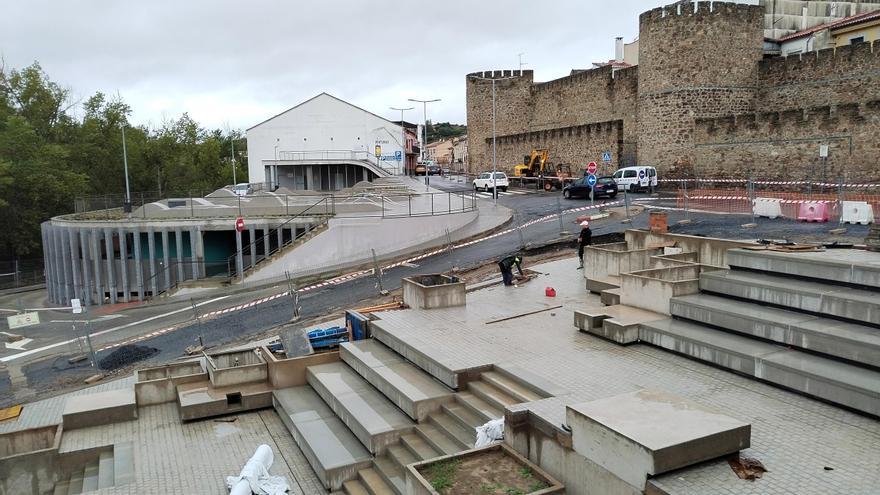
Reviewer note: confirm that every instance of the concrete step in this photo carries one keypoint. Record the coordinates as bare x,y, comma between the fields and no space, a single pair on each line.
492,395
407,386
844,266
445,375
354,487
401,455
437,439
374,483
61,488
857,305
619,323
105,469
76,483
824,378
850,341
123,463
465,417
510,386
418,446
373,419
332,450
90,477
392,474
478,406
464,437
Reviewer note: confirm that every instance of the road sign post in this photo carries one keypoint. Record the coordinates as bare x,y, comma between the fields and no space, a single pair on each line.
591,181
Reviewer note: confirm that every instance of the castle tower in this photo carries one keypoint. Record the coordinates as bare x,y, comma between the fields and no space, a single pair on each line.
695,60
513,108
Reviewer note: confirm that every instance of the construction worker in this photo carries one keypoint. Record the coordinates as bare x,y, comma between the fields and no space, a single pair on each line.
506,265
584,239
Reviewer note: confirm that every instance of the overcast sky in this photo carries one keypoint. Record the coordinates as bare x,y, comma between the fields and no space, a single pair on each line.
239,62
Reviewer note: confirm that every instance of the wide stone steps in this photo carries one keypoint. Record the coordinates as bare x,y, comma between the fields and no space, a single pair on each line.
100,472
511,387
492,395
850,341
824,378
415,392
334,452
419,447
391,473
369,481
373,419
802,295
854,267
463,437
481,408
438,439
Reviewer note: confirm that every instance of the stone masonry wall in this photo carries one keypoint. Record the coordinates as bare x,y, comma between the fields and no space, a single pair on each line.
513,106
785,145
573,145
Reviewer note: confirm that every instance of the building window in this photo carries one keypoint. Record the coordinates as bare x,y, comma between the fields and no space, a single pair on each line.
859,39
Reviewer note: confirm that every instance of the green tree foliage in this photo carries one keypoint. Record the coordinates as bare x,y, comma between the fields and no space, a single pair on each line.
445,130
49,156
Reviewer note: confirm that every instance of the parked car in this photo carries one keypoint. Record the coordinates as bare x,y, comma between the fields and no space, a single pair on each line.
605,186
633,179
485,181
242,189
433,169
421,169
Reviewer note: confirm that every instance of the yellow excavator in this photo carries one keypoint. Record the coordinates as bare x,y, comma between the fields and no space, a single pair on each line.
537,164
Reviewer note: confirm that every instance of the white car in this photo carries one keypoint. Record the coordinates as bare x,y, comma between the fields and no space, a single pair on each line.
485,182
632,179
242,189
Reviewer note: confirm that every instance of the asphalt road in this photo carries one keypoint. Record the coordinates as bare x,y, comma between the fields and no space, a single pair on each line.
49,369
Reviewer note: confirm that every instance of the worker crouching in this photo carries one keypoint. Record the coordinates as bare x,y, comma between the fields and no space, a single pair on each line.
506,265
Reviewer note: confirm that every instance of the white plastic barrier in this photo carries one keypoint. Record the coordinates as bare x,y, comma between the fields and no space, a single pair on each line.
856,212
767,207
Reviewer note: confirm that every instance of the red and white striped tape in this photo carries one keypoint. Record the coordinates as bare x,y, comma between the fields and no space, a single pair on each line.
779,183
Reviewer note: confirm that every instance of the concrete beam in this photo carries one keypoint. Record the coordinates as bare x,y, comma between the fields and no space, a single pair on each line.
151,246
178,250
123,264
194,234
253,246
239,257
111,260
47,261
88,291
138,263
64,261
95,241
166,261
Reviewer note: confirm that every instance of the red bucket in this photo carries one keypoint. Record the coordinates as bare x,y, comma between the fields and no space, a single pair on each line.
550,292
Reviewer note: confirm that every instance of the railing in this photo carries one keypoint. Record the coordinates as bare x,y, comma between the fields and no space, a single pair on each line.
334,155
21,273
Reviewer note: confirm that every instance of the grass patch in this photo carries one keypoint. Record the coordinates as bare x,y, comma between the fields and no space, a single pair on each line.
442,474
525,472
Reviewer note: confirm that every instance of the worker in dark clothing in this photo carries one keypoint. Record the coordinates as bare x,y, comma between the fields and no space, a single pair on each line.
584,239
506,265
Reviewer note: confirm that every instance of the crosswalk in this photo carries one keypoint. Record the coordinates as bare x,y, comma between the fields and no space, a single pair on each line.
488,194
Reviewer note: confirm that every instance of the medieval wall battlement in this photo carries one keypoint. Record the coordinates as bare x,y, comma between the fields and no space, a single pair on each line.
678,11
768,123
598,76
819,64
583,130
498,74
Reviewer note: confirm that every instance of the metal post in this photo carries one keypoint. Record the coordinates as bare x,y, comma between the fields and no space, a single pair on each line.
127,206
294,296
752,197
562,230
494,152
377,271
232,142
89,339
686,212
626,206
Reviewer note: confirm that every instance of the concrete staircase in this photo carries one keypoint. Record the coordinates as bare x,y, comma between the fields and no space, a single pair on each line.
805,327
362,420
112,467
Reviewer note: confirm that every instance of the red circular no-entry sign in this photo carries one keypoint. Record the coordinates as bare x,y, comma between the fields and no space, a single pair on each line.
591,168
239,224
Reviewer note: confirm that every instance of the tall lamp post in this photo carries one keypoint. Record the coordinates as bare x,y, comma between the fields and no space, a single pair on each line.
402,135
425,117
232,141
494,154
126,207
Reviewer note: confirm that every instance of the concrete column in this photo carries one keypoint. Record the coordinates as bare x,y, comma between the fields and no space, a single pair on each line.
166,260
95,241
266,241
123,264
151,245
86,266
111,269
280,231
75,266
138,264
310,179
64,249
47,261
239,258
200,254
178,245
193,235
253,244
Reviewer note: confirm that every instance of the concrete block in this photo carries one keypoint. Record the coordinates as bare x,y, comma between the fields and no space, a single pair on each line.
99,409
856,212
429,364
845,266
649,432
332,450
433,291
810,296
610,297
374,420
767,207
408,387
616,323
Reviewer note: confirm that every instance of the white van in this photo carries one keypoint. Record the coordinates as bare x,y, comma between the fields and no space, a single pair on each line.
632,179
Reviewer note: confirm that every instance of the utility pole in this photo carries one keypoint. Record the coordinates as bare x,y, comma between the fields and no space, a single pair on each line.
425,129
402,136
494,147
232,142
126,207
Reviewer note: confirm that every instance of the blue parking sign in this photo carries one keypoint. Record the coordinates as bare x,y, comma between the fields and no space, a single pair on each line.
591,180
398,155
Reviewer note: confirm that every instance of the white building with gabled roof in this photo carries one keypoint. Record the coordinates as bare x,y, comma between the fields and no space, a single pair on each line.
324,144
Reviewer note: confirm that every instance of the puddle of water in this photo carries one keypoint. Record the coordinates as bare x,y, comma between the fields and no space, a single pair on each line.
225,429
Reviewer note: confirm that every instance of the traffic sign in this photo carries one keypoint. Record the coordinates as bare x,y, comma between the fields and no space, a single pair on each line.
591,180
591,168
398,156
23,320
641,174
239,224
76,306
606,156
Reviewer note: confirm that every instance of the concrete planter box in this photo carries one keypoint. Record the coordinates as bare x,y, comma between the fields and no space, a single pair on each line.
652,289
433,291
236,367
417,484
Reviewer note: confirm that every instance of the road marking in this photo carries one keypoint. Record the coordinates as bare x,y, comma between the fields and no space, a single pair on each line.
20,355
19,344
100,318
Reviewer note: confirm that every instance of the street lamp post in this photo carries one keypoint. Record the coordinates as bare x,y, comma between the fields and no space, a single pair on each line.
494,153
232,141
402,136
275,168
425,130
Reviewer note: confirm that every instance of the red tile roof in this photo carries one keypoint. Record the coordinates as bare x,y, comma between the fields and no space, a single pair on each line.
846,21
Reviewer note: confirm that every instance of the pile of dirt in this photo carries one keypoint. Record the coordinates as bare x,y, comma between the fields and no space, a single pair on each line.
125,356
